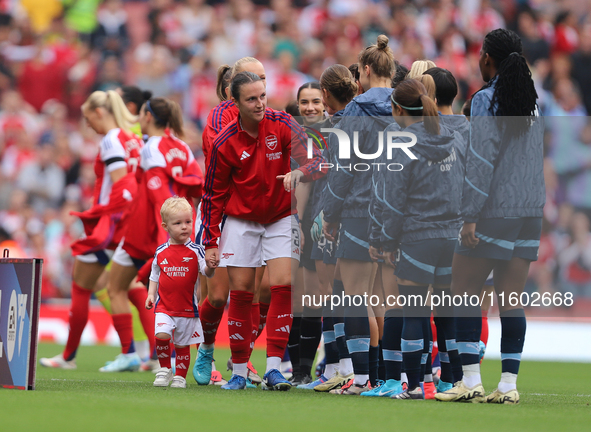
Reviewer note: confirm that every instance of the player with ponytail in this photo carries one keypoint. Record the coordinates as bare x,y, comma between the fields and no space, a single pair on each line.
346,203
419,217
502,209
115,187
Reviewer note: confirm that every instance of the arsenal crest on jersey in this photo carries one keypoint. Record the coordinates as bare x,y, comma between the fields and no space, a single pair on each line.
271,141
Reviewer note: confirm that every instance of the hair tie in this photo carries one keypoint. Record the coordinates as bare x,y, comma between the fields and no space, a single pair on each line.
149,108
402,106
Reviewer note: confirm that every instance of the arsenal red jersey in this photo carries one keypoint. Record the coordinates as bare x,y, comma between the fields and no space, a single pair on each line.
176,268
168,168
117,149
105,221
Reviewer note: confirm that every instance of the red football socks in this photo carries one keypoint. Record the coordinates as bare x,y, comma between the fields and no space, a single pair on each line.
124,326
240,325
279,320
210,320
183,360
163,350
78,318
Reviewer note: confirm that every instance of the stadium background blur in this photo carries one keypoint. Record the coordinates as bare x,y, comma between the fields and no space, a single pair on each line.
54,53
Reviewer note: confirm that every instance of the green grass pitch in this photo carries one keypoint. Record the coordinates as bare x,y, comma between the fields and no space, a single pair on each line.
554,397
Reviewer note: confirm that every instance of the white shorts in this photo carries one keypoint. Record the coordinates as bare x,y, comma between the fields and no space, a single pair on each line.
182,330
93,258
250,244
122,258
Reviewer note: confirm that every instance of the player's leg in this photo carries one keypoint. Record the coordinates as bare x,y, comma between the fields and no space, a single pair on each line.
210,313
293,344
357,279
391,339
336,310
376,327
164,326
123,272
87,270
310,327
242,283
279,319
468,276
325,274
510,278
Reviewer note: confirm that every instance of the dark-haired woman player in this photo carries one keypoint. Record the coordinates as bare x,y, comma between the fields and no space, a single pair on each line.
503,199
420,214
338,88
215,290
306,329
252,154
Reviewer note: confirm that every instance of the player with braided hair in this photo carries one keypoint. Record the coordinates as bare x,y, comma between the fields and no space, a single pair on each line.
502,208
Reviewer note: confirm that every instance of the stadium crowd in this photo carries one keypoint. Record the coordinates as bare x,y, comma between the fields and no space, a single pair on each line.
54,54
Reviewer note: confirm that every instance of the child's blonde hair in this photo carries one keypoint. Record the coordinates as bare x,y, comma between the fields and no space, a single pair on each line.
174,205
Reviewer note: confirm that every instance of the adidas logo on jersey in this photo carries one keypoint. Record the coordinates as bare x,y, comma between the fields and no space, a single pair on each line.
284,329
244,155
164,262
236,336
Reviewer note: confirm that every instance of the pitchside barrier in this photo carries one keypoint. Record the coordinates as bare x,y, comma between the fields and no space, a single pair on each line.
20,297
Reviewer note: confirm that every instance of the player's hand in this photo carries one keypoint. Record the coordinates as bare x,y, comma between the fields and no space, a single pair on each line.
390,259
468,235
149,301
375,254
291,179
330,230
212,258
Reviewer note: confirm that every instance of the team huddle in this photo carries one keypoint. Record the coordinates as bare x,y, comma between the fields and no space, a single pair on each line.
284,211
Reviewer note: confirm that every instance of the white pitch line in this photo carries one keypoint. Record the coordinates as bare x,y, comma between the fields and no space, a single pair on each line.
552,394
101,381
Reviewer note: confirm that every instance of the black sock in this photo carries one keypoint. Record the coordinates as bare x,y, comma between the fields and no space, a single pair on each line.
374,364
513,326
391,340
338,319
311,331
330,341
416,314
293,345
381,364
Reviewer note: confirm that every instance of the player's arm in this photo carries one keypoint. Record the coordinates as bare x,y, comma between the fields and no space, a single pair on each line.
153,285
152,289
217,184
